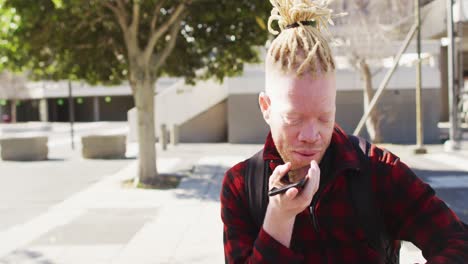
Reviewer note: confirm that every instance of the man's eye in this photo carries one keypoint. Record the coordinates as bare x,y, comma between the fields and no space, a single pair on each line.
290,121
326,119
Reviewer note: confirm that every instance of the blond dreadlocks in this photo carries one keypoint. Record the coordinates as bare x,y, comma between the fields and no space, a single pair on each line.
302,44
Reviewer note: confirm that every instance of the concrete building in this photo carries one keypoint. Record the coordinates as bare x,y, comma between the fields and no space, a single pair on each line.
48,101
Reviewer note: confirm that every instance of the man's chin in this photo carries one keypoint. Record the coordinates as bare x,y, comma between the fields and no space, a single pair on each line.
298,172
298,167
299,161
303,164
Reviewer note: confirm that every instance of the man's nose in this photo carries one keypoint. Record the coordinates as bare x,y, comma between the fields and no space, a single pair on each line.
309,132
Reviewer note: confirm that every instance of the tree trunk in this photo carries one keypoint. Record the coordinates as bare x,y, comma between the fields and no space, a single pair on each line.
13,110
144,101
373,122
143,68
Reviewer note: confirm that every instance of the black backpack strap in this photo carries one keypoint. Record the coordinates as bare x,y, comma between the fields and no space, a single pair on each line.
363,198
256,184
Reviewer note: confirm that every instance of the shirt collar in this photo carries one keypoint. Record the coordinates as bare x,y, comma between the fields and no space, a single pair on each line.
269,150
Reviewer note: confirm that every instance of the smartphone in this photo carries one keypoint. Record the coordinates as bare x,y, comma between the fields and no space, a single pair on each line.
274,191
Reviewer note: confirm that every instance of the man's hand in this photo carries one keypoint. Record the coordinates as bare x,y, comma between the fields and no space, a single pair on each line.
282,209
293,201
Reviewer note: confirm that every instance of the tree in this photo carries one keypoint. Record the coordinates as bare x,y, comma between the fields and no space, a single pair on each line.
367,34
110,41
12,87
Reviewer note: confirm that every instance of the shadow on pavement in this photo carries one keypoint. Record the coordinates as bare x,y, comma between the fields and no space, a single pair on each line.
34,161
422,173
55,159
451,186
203,183
116,158
26,256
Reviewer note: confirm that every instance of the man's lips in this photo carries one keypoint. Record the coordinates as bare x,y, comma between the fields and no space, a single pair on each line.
307,153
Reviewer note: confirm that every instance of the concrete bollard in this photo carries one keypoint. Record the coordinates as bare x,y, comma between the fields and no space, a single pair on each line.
103,146
175,135
24,148
163,137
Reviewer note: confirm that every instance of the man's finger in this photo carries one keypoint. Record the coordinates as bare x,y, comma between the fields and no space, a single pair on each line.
314,174
312,184
291,193
278,173
314,169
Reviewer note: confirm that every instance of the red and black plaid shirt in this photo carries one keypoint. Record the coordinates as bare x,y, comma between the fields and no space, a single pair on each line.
409,207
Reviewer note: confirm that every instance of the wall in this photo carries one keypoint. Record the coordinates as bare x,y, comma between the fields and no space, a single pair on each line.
245,121
398,110
84,112
209,126
115,110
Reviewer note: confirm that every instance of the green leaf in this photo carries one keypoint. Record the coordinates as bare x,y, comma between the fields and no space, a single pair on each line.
58,3
260,23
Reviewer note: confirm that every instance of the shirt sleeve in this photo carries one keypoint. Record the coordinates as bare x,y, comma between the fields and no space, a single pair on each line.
243,242
416,214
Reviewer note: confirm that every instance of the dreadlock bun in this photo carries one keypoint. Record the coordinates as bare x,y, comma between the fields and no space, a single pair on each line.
301,44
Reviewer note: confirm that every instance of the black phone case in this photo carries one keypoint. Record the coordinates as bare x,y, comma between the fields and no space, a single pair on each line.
274,191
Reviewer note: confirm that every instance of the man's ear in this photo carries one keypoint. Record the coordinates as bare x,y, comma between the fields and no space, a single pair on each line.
264,102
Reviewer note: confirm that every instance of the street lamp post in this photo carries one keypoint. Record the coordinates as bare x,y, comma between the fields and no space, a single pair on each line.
71,113
420,149
452,144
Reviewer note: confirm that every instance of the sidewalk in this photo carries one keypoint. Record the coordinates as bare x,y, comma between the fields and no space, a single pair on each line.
107,223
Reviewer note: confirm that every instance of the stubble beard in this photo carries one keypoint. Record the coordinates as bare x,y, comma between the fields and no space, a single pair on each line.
298,169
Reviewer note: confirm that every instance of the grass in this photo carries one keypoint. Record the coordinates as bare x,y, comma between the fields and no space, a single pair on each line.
165,182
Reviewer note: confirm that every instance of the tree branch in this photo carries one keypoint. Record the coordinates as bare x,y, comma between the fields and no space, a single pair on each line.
120,14
155,15
120,4
163,29
136,17
90,24
169,46
130,32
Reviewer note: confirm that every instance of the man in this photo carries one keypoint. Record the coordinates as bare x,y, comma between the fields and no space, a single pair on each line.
318,224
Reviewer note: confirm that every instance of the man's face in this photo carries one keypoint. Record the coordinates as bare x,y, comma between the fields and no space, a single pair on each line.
301,114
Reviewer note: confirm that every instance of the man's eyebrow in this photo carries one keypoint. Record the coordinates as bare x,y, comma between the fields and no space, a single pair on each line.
327,112
291,112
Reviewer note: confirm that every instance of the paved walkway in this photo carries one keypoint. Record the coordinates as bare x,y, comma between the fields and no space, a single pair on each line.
107,223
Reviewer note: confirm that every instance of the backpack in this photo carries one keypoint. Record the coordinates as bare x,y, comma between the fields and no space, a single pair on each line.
360,190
